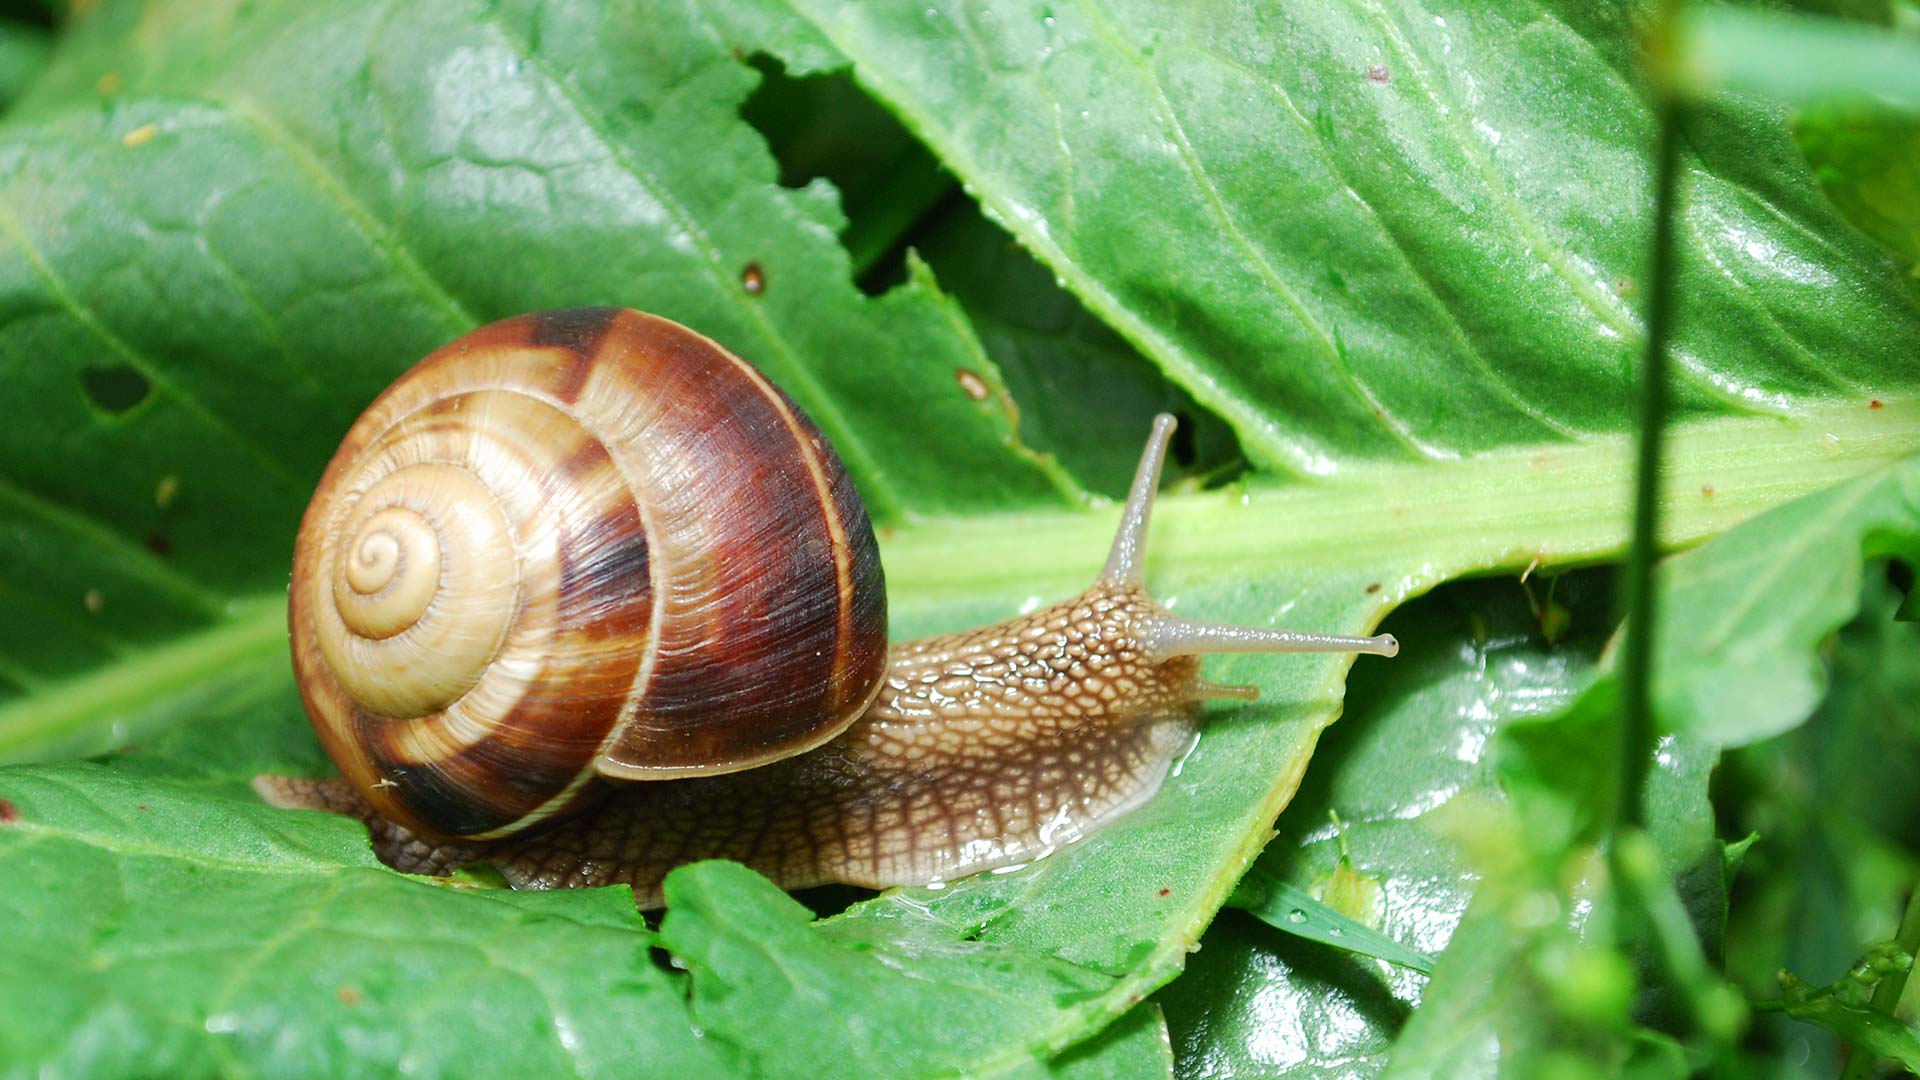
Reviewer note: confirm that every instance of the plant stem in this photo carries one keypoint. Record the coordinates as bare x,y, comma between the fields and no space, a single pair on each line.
1636,658
1887,995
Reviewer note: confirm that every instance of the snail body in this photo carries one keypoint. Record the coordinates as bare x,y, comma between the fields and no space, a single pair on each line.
711,695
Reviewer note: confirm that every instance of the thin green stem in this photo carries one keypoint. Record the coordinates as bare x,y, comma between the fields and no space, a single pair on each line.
1717,1009
1636,656
1629,850
1860,1061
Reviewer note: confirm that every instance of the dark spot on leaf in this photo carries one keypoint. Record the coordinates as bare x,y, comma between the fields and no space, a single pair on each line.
1373,588
158,543
1706,490
116,389
753,279
348,996
1166,892
9,813
142,806
1378,74
972,383
1875,404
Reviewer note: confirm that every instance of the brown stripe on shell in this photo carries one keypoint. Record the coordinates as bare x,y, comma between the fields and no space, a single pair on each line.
580,331
491,785
756,630
861,614
606,586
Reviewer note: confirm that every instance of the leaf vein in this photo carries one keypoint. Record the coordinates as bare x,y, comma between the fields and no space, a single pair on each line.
10,223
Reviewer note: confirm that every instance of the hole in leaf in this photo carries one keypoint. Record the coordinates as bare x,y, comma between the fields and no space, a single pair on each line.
1186,440
115,390
1900,576
28,12
1085,394
826,900
825,127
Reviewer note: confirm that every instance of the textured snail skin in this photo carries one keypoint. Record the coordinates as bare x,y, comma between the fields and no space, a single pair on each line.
984,749
579,543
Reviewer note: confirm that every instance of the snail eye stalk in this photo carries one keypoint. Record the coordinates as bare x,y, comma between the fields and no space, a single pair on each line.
1166,636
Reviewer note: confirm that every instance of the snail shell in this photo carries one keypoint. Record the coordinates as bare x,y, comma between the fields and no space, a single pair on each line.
574,544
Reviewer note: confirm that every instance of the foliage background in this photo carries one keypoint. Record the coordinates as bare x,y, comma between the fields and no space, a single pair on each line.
1386,258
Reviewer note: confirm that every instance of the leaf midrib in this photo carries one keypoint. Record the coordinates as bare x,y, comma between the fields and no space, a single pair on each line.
1413,524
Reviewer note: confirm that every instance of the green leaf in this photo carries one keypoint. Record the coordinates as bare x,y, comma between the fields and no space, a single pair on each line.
1416,228
1830,803
761,968
23,52
1724,674
1135,1047
283,265
1256,1003
1868,162
1741,621
1407,773
177,933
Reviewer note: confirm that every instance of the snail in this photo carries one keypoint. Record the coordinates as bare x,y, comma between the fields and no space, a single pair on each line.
585,596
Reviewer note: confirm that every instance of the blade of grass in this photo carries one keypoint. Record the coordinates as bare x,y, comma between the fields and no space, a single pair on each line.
1285,907
1636,658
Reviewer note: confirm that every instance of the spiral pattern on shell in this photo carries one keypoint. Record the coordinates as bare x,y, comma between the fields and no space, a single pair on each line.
578,543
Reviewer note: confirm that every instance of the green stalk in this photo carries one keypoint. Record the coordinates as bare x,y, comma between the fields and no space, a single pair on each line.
1636,657
1400,524
1886,996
